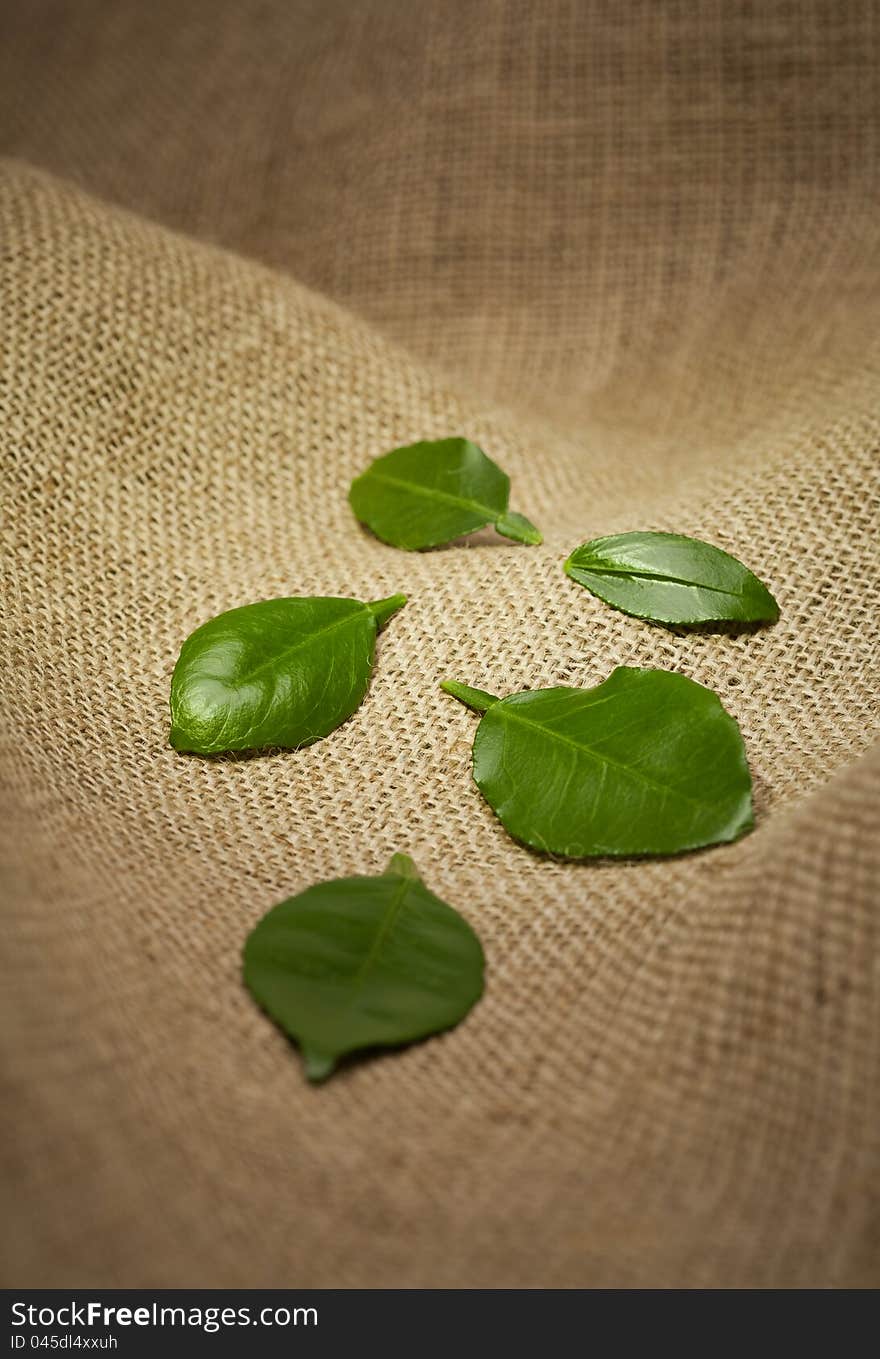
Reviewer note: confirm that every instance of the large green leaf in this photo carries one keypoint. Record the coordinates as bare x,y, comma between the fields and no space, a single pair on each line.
361,963
426,494
647,762
284,672
668,578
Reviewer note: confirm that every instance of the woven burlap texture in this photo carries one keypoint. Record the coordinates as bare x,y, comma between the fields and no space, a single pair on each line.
672,1078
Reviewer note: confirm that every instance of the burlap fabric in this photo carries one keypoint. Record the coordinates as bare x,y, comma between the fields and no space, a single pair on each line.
631,249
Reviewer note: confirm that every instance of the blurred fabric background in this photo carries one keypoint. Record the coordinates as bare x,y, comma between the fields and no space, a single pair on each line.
633,249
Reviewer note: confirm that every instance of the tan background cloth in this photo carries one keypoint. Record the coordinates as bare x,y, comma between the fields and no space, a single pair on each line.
633,250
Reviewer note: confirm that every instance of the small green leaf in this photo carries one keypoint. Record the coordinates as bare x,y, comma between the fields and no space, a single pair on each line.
284,672
427,494
648,762
670,579
361,963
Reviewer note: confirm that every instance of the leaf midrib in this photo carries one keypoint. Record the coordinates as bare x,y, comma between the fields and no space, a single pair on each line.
282,656
430,493
653,575
386,924
588,750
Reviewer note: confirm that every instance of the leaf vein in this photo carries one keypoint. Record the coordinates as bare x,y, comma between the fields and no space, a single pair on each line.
629,573
635,773
431,493
303,642
386,924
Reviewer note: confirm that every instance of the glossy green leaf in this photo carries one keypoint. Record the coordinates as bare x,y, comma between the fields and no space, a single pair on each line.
427,494
648,762
284,672
361,963
668,578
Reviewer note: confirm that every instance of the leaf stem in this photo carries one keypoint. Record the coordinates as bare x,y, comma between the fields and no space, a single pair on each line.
520,529
403,865
477,699
318,1064
384,609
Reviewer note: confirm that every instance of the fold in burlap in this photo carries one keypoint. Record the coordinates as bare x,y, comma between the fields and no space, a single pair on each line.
633,252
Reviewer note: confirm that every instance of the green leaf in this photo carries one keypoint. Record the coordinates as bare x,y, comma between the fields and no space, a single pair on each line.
427,494
284,672
648,762
668,578
361,963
